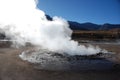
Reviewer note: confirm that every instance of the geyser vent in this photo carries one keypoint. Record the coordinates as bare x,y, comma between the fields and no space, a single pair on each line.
48,60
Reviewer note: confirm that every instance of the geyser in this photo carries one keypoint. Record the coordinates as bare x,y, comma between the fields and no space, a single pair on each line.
22,22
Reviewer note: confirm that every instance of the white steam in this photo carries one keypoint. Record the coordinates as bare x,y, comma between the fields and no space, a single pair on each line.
23,22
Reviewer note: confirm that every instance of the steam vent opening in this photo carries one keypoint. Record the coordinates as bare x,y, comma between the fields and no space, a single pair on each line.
44,59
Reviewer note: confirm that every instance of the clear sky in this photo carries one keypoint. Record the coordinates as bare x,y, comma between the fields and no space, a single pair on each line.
96,11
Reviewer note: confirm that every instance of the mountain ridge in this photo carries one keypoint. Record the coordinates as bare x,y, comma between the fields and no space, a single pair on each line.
88,26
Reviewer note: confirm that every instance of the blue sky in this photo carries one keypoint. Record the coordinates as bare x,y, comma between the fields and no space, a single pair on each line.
96,11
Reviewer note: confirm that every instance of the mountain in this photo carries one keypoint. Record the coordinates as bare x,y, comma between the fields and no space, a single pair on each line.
108,26
76,26
48,17
83,26
89,26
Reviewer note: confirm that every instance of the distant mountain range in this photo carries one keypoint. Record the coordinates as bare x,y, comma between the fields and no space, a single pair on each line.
89,26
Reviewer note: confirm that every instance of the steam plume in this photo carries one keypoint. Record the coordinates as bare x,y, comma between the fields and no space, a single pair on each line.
23,22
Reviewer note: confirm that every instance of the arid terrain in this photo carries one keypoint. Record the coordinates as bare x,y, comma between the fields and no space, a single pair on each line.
97,35
13,68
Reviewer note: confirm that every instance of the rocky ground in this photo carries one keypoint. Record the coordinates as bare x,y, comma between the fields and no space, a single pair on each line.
13,68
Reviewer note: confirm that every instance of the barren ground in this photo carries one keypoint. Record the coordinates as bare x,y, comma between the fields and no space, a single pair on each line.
13,68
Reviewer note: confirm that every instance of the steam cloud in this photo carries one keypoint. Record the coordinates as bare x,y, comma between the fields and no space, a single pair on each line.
23,22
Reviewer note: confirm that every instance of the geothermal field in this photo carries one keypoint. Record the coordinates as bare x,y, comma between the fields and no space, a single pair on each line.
59,67
35,48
